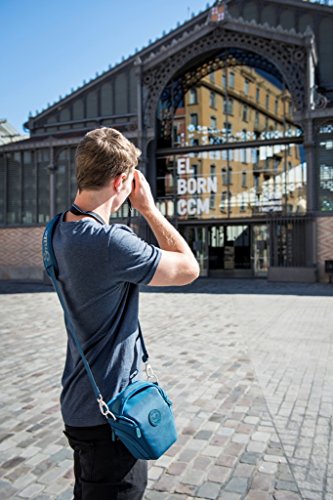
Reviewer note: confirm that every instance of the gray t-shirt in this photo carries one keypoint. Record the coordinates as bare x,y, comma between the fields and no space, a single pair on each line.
100,268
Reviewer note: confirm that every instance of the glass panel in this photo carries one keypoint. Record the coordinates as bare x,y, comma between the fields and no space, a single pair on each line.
62,180
196,237
92,104
43,186
29,200
244,182
73,183
2,187
244,96
326,168
14,184
106,99
78,110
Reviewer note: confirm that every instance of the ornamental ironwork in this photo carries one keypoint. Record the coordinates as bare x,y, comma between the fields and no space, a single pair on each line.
284,60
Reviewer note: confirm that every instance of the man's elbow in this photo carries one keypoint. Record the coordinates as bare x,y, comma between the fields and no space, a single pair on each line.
192,272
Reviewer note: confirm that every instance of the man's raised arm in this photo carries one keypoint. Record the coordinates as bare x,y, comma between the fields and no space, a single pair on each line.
178,265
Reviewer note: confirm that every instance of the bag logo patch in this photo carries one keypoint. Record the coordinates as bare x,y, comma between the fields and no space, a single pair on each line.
154,417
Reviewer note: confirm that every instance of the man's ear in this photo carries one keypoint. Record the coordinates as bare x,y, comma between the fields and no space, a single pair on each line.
118,182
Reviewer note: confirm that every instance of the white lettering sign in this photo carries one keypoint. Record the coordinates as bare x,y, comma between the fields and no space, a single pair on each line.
193,186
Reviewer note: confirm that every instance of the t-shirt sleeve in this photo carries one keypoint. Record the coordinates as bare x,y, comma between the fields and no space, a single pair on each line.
131,259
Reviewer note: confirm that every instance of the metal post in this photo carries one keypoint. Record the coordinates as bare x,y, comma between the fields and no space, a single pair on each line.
52,169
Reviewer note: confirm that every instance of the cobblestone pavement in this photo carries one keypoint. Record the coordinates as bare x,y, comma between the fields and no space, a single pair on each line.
247,364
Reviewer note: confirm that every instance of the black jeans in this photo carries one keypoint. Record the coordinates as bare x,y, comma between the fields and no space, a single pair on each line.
104,469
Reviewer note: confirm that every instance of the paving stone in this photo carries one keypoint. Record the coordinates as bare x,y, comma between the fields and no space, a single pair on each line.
279,495
256,447
237,485
218,474
185,489
206,435
286,485
31,491
227,495
251,420
194,477
13,462
155,473
257,495
7,490
202,462
209,490
263,482
177,468
226,460
249,383
244,470
165,483
250,458
268,467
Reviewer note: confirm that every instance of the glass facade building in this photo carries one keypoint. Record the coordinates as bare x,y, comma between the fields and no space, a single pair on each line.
233,113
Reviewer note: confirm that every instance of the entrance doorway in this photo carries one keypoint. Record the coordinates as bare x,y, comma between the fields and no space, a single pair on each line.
229,250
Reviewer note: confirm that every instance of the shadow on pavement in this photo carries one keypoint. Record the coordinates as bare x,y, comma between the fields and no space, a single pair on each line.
12,287
204,286
232,286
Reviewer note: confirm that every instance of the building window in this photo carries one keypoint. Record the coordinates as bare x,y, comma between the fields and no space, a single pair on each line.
224,177
245,113
242,204
276,107
267,102
194,119
213,123
224,80
244,179
193,96
257,95
228,105
212,99
256,182
227,128
232,80
212,194
228,154
256,120
212,77
246,86
224,196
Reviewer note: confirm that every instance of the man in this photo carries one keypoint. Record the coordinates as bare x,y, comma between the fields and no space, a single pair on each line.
100,268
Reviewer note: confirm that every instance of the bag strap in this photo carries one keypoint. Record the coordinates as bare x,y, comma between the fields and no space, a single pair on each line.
51,266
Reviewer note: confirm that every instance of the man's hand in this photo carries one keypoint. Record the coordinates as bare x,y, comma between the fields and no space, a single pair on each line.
141,197
178,265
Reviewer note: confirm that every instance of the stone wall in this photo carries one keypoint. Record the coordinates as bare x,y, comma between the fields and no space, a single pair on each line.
324,245
21,253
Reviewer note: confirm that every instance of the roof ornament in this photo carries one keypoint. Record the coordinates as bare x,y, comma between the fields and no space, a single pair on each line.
218,12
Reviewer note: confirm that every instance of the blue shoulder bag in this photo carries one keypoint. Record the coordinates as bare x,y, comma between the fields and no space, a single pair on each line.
140,415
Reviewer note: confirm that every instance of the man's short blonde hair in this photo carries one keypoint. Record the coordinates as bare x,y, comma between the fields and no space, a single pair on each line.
101,155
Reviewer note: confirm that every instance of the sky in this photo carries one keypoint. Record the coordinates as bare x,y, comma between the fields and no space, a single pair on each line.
50,47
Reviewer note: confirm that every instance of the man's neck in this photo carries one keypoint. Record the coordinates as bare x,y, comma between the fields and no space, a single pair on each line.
95,201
